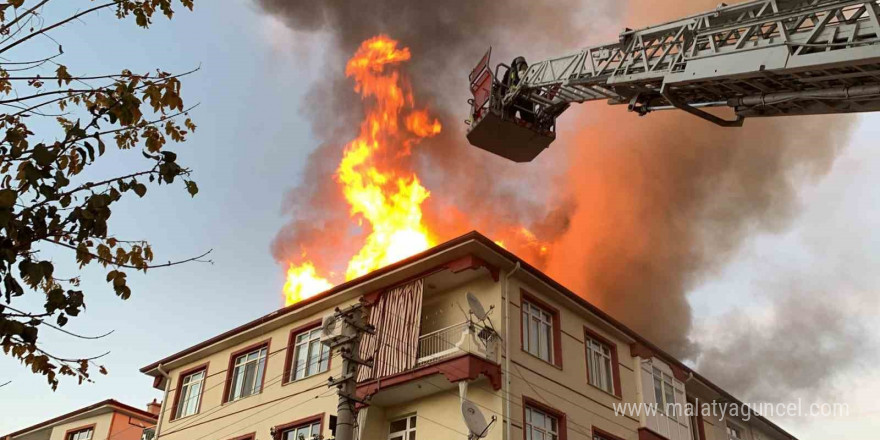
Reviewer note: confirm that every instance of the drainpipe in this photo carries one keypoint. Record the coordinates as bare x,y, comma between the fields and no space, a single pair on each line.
164,398
507,338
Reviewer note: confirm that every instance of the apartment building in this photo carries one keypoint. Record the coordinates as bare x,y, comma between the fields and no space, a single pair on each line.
544,364
108,419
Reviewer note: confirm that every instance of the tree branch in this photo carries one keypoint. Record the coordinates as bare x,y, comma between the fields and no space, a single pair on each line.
53,326
197,259
60,23
30,11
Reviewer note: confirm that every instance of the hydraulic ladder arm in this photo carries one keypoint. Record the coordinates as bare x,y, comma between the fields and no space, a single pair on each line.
759,58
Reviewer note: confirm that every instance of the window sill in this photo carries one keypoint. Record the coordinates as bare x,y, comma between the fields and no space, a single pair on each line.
303,379
184,417
606,392
241,398
558,367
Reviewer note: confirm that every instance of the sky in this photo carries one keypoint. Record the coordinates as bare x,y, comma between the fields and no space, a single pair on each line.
249,150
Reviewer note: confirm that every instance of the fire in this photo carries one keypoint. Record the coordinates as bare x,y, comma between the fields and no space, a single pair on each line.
302,282
388,199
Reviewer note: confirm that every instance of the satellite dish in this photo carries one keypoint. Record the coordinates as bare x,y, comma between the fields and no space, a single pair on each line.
476,307
473,418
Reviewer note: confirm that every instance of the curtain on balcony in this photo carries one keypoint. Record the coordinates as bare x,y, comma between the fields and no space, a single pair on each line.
396,314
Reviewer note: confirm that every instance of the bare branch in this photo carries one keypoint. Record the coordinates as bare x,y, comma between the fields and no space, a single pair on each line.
30,11
60,23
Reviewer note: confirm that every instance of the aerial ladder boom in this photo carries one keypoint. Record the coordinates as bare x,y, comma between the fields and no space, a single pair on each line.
759,58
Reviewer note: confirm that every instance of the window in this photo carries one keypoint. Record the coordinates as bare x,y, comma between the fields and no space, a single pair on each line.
403,429
247,373
81,434
600,364
734,432
540,425
599,434
308,431
310,355
664,393
189,393
537,331
695,420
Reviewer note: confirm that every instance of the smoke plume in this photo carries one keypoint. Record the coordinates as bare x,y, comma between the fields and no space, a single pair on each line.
634,212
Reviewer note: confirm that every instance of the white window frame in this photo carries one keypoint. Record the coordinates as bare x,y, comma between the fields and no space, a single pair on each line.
237,388
78,435
406,432
666,386
309,428
547,432
187,385
600,365
542,319
731,428
321,363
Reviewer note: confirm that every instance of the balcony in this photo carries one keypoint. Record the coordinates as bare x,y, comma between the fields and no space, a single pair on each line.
456,340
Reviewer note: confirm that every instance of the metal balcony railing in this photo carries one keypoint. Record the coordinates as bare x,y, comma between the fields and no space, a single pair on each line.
455,340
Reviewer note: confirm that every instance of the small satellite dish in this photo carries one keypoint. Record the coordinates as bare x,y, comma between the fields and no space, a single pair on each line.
476,307
474,419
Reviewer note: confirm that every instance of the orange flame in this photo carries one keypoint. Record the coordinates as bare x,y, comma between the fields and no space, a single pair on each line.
389,200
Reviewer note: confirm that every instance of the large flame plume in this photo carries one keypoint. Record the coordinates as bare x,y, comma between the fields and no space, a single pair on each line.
388,199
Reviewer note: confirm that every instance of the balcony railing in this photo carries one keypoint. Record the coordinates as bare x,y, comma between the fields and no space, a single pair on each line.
455,340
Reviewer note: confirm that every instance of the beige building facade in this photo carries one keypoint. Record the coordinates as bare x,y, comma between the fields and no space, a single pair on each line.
544,364
105,420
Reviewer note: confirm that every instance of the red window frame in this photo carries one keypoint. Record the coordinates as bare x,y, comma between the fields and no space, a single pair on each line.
70,432
604,434
183,374
560,416
291,346
279,429
250,436
615,360
525,296
231,366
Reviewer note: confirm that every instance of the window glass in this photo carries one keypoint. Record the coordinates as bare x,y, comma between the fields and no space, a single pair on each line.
310,355
82,434
247,374
540,425
734,432
190,394
599,365
537,327
664,393
403,429
304,432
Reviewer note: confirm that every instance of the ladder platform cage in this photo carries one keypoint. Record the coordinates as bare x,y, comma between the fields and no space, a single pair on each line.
501,130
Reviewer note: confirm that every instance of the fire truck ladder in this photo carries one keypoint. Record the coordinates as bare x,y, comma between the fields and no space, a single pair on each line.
760,58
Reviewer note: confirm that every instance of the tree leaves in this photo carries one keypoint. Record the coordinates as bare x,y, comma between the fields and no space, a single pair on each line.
42,206
192,188
63,76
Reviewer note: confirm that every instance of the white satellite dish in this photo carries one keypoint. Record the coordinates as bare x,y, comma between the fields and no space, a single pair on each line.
476,307
474,420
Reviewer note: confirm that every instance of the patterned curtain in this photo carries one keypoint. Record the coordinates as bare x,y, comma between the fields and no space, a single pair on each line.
397,317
